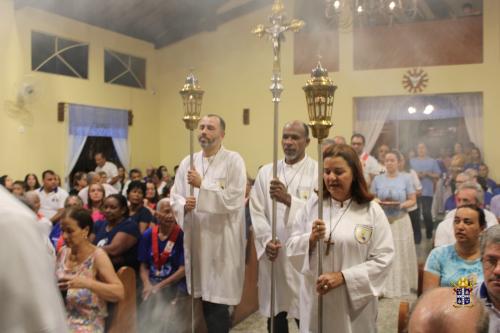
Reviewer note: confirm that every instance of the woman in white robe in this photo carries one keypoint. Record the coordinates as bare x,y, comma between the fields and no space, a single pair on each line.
359,249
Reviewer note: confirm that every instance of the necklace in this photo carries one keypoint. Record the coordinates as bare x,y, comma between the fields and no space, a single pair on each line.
330,242
287,183
210,160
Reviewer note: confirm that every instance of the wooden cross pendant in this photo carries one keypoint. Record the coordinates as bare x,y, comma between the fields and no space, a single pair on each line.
328,244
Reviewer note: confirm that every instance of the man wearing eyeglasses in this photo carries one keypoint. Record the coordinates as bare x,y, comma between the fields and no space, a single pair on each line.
489,290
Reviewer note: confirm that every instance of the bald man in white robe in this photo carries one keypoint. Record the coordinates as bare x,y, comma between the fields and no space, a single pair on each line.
297,178
216,224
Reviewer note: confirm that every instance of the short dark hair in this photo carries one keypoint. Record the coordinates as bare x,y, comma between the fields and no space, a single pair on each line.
82,217
48,172
221,121
479,211
135,170
359,188
358,135
3,179
136,184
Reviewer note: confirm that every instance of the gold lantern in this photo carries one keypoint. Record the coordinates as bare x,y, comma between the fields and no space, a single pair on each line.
192,97
320,91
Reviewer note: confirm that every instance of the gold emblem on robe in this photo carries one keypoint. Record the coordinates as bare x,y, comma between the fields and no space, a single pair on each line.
363,233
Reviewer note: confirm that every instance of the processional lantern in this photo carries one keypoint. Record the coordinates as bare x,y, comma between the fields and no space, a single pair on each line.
192,96
320,92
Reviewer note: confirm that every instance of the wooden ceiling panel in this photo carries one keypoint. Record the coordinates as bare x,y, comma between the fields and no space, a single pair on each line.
160,22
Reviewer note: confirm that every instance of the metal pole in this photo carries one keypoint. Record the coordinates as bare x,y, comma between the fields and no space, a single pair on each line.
320,241
275,32
276,89
191,237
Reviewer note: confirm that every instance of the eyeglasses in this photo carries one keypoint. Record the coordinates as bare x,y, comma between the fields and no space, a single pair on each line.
490,263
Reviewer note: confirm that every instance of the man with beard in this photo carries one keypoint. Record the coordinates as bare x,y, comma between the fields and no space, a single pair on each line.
297,178
214,219
489,291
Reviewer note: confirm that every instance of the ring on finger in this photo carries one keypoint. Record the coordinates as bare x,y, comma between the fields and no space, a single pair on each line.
325,286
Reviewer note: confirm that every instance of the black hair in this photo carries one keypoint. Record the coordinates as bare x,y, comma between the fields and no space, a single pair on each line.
358,135
156,196
159,173
82,217
135,170
48,172
3,179
480,213
37,183
136,184
482,181
165,192
122,202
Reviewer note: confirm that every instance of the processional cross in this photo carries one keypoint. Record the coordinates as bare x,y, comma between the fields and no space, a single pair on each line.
275,32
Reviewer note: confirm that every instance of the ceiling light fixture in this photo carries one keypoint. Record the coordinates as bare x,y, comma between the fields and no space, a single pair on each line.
345,13
429,109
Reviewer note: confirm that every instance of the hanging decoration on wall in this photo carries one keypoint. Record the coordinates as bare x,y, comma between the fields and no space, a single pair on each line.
415,80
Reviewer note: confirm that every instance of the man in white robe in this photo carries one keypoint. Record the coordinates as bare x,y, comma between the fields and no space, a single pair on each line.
297,179
31,301
214,219
362,250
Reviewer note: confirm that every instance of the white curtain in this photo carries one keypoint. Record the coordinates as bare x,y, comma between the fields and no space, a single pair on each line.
85,121
121,147
75,147
371,114
471,106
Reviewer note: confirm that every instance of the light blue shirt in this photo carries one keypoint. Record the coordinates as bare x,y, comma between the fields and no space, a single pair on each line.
426,165
392,189
445,262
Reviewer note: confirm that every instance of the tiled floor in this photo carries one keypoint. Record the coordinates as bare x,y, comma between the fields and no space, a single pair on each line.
388,308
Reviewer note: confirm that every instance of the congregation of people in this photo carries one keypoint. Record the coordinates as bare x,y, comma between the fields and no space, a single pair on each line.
186,235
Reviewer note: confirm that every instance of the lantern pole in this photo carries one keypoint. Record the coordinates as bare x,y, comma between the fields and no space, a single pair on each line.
192,96
319,92
275,32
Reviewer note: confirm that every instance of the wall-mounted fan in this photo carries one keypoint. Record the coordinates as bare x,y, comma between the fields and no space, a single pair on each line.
27,92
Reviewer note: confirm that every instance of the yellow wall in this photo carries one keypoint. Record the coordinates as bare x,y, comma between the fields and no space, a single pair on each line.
234,68
43,142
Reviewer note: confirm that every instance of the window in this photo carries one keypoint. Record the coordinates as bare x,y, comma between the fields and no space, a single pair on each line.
124,69
52,54
437,120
